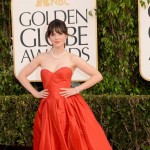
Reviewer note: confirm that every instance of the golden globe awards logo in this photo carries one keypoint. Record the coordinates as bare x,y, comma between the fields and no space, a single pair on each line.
33,26
30,19
40,3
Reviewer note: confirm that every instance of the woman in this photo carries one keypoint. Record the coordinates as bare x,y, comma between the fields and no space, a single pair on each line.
63,121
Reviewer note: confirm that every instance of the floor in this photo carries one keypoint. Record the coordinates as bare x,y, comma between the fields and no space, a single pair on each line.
9,147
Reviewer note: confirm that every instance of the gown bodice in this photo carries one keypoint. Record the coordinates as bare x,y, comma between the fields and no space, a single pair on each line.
53,81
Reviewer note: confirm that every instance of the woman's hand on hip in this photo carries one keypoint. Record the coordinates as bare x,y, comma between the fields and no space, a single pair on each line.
42,94
66,92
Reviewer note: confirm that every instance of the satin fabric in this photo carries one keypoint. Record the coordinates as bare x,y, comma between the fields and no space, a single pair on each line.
65,123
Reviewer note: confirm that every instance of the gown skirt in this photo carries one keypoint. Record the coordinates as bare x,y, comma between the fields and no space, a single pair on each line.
65,123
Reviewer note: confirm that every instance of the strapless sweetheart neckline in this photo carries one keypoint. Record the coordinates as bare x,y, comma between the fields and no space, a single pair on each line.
57,69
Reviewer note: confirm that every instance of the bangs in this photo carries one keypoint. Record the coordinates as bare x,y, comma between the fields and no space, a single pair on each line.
57,30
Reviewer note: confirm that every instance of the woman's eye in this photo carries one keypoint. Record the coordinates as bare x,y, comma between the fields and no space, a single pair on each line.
53,34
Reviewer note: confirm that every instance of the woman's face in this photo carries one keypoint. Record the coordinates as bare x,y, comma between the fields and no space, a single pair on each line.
58,39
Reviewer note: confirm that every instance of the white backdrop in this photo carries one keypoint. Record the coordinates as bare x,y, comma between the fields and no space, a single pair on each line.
144,41
30,19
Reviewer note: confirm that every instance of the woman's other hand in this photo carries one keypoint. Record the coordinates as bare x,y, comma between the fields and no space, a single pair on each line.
42,94
66,92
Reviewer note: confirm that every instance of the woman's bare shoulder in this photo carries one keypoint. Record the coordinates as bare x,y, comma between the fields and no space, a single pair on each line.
76,60
73,56
42,55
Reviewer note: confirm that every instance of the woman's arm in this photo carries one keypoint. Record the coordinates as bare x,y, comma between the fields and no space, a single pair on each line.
22,77
95,75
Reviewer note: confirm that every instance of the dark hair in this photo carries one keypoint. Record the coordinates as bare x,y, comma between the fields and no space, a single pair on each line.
57,26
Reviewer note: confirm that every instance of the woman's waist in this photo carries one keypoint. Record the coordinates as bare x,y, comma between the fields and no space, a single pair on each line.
55,89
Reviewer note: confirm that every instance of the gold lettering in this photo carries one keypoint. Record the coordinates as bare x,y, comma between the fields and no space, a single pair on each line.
45,2
60,2
53,2
39,3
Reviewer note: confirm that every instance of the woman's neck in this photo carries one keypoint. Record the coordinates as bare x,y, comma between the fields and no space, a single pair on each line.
58,50
58,53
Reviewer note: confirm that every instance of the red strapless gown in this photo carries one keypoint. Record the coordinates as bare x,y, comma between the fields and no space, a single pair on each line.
65,123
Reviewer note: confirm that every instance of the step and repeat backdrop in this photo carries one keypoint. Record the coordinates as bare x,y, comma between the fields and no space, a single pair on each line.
30,19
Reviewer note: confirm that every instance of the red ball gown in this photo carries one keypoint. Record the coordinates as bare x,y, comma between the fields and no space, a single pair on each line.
65,123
